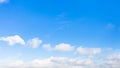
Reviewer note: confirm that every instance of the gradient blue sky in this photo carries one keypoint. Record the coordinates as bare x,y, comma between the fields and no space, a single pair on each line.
86,23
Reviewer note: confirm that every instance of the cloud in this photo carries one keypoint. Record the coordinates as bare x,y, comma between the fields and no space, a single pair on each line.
114,56
110,61
88,51
110,26
52,62
12,40
34,43
16,39
47,47
17,63
3,1
64,47
59,47
61,16
103,61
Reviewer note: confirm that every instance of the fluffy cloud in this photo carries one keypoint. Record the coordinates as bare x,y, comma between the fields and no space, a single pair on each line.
64,47
88,51
34,43
59,47
16,39
12,40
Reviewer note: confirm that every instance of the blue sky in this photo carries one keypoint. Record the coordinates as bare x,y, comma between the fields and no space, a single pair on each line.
60,28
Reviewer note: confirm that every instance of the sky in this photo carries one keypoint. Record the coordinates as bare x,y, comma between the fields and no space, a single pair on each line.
59,34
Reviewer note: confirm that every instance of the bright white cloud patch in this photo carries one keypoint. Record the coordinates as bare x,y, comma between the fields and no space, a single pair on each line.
12,40
34,43
88,51
64,47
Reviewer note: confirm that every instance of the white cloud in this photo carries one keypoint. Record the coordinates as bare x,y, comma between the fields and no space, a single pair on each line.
59,47
113,56
16,39
88,51
12,40
112,61
52,62
64,47
34,43
3,1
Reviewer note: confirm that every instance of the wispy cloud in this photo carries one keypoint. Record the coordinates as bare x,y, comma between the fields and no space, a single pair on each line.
61,16
62,21
3,1
47,47
110,26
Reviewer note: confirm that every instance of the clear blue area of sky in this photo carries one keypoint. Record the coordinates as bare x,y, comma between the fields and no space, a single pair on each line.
78,22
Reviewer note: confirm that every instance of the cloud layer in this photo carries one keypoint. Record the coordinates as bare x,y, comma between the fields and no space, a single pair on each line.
65,62
86,57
